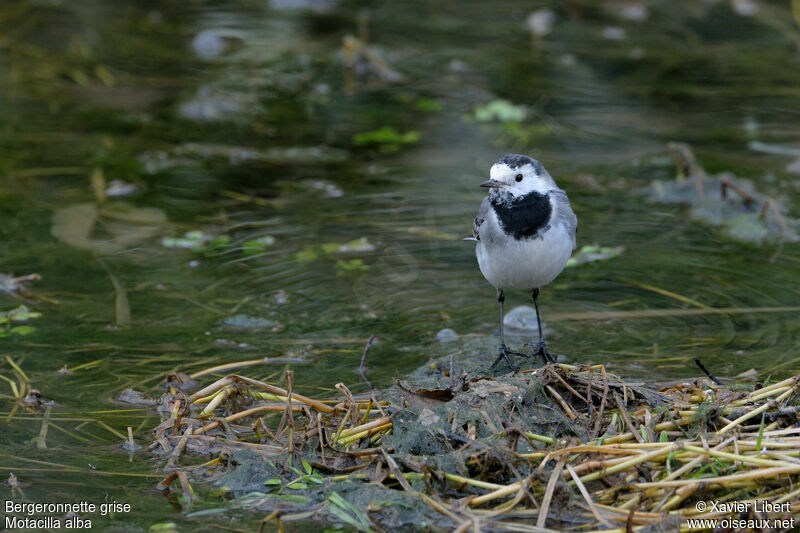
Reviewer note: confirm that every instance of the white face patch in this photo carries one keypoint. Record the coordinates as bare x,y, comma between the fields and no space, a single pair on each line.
521,180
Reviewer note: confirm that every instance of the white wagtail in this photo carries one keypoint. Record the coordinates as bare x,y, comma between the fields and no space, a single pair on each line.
525,233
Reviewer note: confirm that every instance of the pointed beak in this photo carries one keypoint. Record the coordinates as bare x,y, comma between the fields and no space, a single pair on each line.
493,184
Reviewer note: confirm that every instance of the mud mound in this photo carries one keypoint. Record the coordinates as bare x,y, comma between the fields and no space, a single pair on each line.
559,446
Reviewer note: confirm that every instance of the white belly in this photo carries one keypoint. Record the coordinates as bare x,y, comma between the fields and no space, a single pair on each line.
526,263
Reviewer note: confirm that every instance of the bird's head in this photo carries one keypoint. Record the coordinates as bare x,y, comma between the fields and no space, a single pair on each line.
517,176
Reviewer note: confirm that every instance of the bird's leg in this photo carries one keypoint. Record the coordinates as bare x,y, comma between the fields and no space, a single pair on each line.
540,348
504,351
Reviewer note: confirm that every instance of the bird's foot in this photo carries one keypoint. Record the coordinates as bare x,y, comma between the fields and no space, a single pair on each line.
540,348
504,353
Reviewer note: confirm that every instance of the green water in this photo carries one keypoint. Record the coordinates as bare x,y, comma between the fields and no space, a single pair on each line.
240,120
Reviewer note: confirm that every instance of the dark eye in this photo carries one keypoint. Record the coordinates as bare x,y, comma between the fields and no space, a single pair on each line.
518,177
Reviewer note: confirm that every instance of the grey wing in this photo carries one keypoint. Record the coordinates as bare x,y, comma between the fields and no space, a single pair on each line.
483,212
564,214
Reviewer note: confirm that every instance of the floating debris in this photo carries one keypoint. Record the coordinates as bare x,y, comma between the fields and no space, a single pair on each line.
210,244
201,242
236,345
614,33
20,314
180,381
324,188
211,104
568,60
745,8
775,149
109,229
119,189
134,397
361,244
458,66
258,245
725,201
131,446
794,167
541,22
9,283
365,62
634,12
429,105
311,253
208,44
457,448
248,322
14,483
35,400
14,321
214,42
280,297
155,161
350,265
499,111
190,239
592,252
387,139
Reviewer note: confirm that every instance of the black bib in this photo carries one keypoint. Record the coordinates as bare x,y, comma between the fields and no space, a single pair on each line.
524,217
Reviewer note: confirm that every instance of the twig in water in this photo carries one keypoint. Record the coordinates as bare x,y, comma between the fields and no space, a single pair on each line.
121,306
396,471
178,450
350,402
220,383
627,418
187,488
564,405
548,494
756,411
376,403
599,419
706,371
321,435
465,526
131,444
688,165
167,481
747,198
274,515
362,367
588,498
176,415
41,441
629,521
569,388
16,367
230,366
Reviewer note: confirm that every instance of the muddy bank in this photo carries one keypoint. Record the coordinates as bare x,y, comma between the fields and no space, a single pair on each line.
555,447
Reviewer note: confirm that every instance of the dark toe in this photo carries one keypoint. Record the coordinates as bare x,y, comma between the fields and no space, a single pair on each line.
503,354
